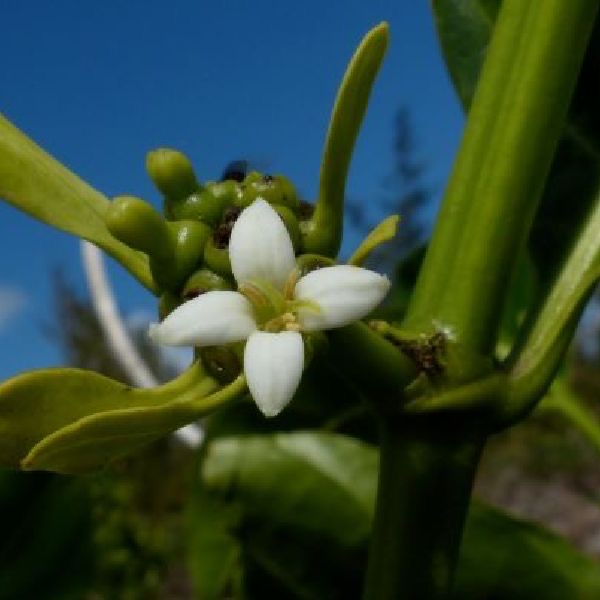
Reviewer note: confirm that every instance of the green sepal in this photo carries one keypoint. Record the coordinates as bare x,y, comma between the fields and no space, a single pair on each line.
37,184
74,421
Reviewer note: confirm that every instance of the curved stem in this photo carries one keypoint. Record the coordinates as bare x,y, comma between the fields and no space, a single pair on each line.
563,401
537,354
323,233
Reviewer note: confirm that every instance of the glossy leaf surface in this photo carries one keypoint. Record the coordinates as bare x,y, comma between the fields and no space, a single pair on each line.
303,505
73,421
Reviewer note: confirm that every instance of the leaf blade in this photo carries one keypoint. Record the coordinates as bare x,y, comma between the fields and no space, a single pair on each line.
34,182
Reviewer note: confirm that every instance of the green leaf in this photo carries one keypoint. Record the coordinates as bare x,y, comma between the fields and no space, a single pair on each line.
74,421
215,554
323,234
383,232
465,29
284,523
512,559
34,182
344,468
306,503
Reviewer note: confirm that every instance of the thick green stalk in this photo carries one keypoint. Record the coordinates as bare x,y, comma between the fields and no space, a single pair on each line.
425,483
371,362
515,122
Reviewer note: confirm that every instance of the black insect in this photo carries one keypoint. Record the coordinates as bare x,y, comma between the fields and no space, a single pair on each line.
236,170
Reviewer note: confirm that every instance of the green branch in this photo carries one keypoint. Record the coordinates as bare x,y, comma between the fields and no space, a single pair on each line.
566,403
537,355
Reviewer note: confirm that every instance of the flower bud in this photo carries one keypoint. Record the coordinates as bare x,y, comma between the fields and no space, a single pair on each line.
188,239
172,173
221,362
204,280
138,225
207,205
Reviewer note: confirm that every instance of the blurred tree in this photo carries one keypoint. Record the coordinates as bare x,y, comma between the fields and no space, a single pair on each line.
77,331
404,193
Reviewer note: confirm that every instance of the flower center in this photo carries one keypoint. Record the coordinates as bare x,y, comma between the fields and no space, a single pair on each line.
274,310
269,304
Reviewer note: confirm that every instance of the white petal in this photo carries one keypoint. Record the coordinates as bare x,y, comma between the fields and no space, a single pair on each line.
343,293
260,246
273,364
213,318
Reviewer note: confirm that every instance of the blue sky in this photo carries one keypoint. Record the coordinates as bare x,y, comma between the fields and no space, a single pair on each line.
99,84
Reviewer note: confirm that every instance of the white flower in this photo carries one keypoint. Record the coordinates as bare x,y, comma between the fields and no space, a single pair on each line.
272,306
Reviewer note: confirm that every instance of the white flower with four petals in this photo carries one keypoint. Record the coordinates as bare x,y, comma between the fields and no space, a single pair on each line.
272,307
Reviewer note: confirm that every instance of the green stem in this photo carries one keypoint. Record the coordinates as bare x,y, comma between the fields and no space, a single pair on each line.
514,124
371,362
425,483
